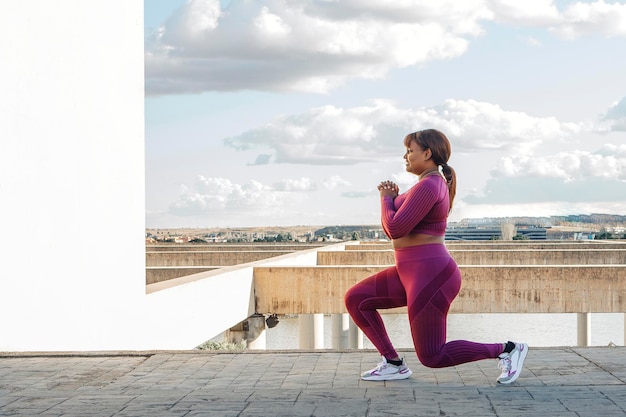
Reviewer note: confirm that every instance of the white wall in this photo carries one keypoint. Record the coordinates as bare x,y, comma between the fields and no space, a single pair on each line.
71,173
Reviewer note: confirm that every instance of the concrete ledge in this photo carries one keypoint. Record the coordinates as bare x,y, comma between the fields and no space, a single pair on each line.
509,245
486,257
304,257
486,289
213,258
156,274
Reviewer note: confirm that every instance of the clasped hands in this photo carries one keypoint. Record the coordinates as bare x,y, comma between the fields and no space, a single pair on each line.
388,188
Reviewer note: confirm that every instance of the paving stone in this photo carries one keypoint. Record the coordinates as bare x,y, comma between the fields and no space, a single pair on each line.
556,382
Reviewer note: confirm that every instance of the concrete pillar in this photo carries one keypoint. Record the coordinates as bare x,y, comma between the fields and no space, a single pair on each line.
311,331
340,327
355,336
252,330
584,328
318,331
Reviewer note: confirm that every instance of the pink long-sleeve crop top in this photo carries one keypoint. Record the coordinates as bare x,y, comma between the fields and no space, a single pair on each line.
422,209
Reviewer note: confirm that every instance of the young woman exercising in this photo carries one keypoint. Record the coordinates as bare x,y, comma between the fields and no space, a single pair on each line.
425,277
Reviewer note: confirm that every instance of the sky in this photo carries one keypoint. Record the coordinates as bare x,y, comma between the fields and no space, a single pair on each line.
290,112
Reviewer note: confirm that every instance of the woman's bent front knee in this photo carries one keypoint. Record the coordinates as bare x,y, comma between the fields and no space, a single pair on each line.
431,361
352,299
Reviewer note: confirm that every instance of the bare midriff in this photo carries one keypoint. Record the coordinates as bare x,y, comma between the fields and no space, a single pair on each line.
415,239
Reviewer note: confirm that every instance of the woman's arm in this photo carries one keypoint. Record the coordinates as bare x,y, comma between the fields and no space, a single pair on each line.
388,190
418,202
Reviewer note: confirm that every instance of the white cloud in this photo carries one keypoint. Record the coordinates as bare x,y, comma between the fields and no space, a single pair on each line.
608,150
403,179
271,25
356,194
203,16
609,163
616,116
339,136
527,12
301,46
326,135
571,177
191,23
318,46
300,184
334,182
582,19
478,125
217,194
577,19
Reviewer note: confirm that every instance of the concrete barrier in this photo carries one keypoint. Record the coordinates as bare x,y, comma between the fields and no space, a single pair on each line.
300,258
209,258
156,274
486,257
486,289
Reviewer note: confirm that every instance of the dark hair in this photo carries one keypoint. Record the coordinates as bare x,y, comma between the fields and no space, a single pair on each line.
439,145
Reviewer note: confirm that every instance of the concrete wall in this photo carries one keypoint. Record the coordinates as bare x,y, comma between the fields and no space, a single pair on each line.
72,179
208,258
156,274
72,172
485,289
487,257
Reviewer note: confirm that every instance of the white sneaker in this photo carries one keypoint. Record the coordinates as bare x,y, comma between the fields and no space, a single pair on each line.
387,372
512,363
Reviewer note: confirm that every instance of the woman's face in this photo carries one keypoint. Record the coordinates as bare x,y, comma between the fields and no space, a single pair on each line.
416,158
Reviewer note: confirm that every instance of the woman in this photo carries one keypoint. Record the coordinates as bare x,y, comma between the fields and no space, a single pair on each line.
425,278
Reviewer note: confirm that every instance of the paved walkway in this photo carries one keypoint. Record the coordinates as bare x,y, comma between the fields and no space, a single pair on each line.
556,382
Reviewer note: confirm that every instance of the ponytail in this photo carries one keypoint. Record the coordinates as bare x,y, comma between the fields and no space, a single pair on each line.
450,176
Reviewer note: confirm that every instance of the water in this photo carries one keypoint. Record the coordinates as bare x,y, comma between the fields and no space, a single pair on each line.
540,330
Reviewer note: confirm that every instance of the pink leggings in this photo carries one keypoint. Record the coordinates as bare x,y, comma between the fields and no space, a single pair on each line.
426,280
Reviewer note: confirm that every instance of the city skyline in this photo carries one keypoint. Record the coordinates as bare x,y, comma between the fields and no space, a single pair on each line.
286,113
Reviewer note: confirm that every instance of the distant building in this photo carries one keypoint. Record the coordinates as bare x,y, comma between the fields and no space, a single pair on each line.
584,236
492,233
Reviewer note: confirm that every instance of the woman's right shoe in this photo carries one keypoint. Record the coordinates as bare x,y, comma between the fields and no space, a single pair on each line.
385,371
511,363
